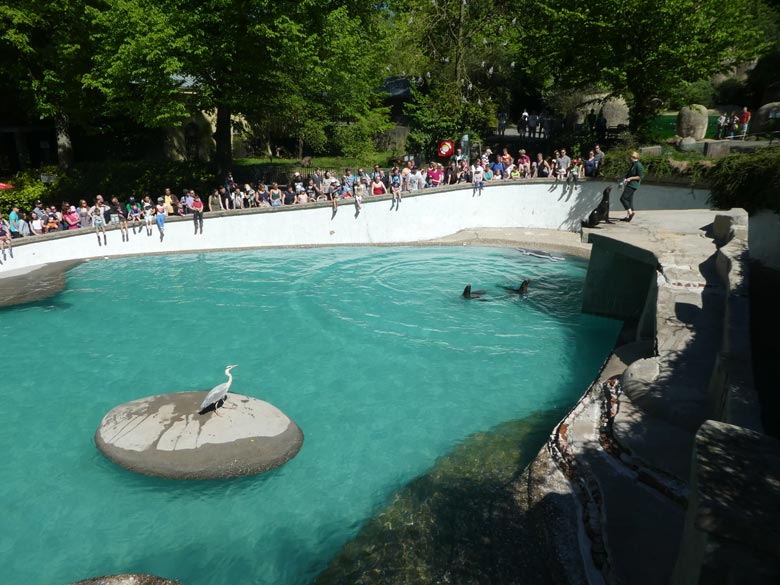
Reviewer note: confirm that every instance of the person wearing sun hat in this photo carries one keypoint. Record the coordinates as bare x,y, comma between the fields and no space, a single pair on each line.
632,179
160,213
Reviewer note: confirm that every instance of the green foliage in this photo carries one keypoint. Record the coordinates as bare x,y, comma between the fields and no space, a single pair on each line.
698,92
747,180
461,60
138,66
383,159
28,188
690,166
644,51
123,179
358,139
437,116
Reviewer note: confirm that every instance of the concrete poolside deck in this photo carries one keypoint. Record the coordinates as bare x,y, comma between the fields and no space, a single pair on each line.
629,445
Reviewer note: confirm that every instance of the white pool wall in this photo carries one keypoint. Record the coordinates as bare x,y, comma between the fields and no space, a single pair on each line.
427,216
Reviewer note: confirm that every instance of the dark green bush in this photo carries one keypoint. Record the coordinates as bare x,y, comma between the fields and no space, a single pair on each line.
28,188
750,181
690,166
697,92
123,179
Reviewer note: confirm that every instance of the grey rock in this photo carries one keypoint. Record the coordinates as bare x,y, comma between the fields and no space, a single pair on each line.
717,149
127,579
692,121
164,436
761,121
655,150
688,144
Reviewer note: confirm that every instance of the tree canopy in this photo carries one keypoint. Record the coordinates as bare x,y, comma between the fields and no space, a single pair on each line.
643,51
310,70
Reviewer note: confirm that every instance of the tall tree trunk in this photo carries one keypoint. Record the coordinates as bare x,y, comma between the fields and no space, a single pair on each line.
224,138
64,142
300,147
22,150
460,72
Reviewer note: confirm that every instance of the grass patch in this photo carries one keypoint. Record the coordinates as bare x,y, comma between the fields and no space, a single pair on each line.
665,126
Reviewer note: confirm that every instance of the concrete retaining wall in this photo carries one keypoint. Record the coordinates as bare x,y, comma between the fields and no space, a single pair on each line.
430,215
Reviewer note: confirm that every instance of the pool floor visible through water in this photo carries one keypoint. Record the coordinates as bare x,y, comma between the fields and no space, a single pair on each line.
372,351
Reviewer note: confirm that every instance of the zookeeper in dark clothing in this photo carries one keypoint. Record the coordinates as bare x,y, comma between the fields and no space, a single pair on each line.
633,178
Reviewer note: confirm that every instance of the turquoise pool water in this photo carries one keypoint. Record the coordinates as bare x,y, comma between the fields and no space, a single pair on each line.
372,351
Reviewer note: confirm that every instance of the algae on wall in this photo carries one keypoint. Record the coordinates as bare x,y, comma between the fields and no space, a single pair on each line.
463,522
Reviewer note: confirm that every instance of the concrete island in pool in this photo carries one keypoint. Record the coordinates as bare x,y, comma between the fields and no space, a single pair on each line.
631,466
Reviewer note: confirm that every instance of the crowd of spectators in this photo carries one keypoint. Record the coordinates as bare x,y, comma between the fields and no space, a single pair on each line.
328,186
319,186
733,125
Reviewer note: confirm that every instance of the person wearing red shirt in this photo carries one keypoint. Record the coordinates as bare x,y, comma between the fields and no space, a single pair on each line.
744,120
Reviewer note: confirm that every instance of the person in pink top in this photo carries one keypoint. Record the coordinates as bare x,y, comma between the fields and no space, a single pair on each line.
435,174
72,218
524,164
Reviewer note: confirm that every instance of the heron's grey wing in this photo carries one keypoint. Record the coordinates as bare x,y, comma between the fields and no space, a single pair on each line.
215,395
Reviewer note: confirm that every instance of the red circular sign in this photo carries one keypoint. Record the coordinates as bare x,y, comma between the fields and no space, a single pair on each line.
446,148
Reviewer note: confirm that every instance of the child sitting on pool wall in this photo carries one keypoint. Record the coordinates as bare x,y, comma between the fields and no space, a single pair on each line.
148,214
160,213
134,212
99,220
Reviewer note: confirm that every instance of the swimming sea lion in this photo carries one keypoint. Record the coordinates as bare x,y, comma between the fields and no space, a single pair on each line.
472,294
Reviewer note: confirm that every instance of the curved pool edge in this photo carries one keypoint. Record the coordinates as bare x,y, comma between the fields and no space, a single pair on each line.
632,455
556,506
620,474
34,283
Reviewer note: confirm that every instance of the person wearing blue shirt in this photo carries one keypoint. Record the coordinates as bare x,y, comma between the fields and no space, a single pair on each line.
13,222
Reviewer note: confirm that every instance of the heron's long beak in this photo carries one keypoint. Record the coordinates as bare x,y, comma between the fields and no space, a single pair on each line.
231,367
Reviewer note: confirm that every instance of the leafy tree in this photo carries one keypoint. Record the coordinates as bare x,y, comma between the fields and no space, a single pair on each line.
45,52
644,51
160,60
287,66
138,62
461,58
321,86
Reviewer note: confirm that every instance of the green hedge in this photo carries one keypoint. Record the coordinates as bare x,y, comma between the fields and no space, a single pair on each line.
28,188
692,167
750,180
123,179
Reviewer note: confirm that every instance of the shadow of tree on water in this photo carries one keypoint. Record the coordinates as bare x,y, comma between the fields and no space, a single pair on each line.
466,521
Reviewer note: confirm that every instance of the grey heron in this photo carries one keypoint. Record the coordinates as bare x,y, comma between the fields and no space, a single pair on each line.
218,394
